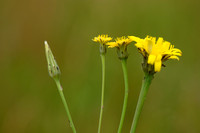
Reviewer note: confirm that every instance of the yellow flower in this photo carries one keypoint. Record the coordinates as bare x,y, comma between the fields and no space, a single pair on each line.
155,52
121,44
120,41
103,39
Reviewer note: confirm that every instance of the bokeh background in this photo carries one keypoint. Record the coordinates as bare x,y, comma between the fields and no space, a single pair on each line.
29,101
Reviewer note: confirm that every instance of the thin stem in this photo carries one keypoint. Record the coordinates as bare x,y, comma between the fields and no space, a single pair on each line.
124,67
145,87
60,90
102,91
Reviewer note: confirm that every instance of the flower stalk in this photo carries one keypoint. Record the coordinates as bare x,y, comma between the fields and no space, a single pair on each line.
124,67
121,45
102,91
145,87
60,90
154,53
55,73
102,39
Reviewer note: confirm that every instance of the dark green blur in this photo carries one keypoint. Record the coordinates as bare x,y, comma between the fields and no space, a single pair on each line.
29,100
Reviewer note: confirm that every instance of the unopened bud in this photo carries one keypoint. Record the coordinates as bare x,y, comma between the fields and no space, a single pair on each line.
53,67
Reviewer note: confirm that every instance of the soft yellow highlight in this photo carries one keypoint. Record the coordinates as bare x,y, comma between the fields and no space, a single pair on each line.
119,42
103,39
156,51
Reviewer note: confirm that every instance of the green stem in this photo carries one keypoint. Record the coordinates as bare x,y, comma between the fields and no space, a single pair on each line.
124,67
145,87
60,90
102,91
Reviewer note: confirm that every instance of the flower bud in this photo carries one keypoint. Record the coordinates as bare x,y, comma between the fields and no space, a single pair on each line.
53,67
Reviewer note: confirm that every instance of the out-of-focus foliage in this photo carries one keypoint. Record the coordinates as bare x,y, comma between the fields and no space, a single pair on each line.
29,101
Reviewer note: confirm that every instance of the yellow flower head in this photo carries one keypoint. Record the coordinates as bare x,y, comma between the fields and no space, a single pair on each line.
103,39
121,44
120,41
155,52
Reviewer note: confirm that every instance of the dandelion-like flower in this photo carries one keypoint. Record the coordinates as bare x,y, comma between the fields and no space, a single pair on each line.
155,52
121,44
102,39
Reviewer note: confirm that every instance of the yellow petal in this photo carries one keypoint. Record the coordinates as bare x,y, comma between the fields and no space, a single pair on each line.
177,50
159,57
111,44
177,54
160,41
166,46
151,59
157,66
95,40
139,45
173,57
158,63
135,39
148,45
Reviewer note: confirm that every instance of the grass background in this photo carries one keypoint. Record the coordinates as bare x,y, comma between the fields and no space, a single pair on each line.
29,101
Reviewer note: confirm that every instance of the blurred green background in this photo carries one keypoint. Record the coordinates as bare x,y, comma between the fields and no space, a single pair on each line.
29,101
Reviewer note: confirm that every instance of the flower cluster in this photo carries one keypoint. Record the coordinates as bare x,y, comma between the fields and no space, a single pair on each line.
155,52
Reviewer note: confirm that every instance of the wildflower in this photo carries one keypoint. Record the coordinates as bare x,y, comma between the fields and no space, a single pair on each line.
102,39
155,52
121,45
